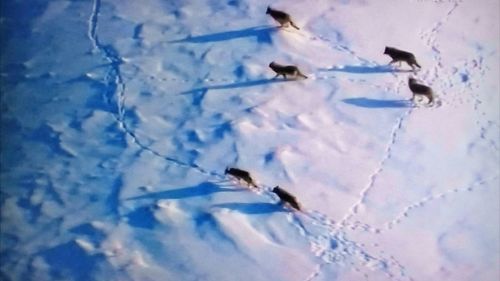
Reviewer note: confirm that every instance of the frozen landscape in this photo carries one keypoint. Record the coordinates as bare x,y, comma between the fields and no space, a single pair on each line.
119,118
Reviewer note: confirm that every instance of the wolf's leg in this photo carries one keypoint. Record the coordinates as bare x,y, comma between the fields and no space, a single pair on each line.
414,101
430,99
413,66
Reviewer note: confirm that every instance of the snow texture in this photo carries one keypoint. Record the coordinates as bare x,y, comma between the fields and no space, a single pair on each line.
119,118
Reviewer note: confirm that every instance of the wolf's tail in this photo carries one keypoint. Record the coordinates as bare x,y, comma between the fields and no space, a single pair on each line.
301,75
293,24
252,183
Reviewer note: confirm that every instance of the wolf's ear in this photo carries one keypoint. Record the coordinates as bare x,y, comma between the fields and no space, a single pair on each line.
226,170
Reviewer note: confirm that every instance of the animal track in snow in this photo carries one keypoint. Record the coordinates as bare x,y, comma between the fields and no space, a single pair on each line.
328,242
430,38
483,134
424,201
354,209
336,45
115,93
316,272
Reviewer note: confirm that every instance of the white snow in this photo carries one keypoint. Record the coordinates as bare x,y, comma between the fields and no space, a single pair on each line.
119,118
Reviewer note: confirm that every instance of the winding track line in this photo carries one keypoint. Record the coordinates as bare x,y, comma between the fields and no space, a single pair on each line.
116,88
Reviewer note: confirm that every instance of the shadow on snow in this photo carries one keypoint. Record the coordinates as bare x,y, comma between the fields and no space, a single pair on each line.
376,103
364,69
253,208
202,189
70,259
237,85
262,33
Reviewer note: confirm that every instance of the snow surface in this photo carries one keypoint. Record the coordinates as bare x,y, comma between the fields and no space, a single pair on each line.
119,118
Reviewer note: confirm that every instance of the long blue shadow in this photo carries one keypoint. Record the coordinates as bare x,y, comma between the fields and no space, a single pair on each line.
262,33
375,103
364,69
245,84
253,208
203,189
70,259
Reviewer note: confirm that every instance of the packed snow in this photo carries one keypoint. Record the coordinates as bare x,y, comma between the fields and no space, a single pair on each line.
120,117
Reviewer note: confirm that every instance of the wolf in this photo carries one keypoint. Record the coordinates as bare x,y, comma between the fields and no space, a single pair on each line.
287,197
399,56
285,70
240,175
420,90
281,17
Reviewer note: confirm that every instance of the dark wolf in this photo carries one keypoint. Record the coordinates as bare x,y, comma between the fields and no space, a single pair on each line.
420,90
283,18
286,197
241,175
285,70
399,56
